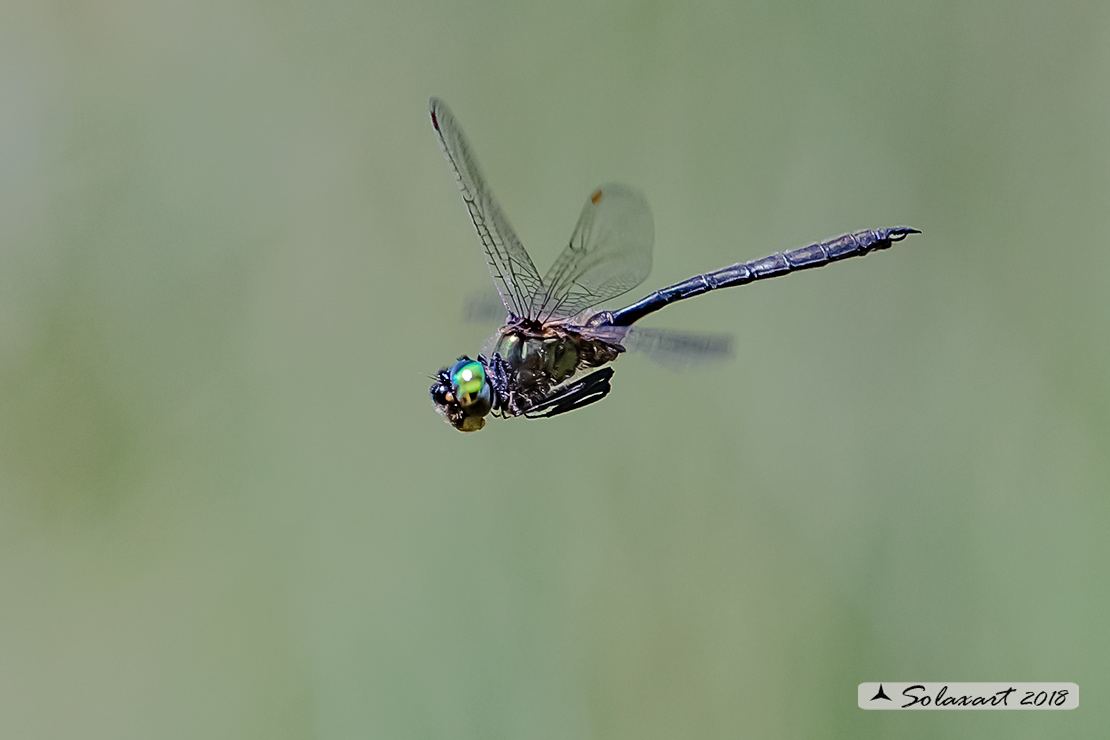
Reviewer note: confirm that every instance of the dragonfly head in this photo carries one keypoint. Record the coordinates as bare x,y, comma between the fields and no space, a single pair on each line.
463,394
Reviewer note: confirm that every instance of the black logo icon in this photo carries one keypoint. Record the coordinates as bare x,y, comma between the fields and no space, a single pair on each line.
881,695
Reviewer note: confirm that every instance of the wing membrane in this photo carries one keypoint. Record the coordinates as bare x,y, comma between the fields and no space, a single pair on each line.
673,349
678,350
516,277
609,254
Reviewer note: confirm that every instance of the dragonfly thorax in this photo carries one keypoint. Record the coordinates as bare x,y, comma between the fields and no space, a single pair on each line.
531,355
534,361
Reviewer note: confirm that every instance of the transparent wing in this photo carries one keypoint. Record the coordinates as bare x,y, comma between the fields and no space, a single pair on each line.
484,308
516,277
679,350
609,254
673,349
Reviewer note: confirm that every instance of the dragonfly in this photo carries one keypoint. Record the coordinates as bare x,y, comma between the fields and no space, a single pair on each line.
552,355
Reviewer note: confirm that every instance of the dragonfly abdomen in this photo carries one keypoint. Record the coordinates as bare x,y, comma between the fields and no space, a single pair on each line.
855,244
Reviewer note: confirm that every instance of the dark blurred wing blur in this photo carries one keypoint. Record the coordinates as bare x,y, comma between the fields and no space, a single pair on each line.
516,277
679,350
673,349
608,255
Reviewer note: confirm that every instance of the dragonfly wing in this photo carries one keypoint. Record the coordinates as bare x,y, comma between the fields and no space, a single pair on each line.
609,254
516,277
679,350
484,308
671,348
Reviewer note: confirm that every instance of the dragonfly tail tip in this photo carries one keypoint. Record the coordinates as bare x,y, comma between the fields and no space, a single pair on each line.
899,233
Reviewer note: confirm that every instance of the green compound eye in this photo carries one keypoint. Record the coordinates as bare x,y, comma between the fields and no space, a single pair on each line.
469,380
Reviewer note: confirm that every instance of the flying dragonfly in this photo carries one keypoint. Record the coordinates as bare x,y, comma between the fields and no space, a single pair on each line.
553,352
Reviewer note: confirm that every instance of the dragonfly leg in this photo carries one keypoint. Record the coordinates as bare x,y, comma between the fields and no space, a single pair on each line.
589,389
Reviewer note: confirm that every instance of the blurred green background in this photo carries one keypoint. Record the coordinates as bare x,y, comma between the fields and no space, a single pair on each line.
231,253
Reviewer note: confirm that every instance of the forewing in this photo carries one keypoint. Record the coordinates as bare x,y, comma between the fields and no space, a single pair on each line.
608,255
516,277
